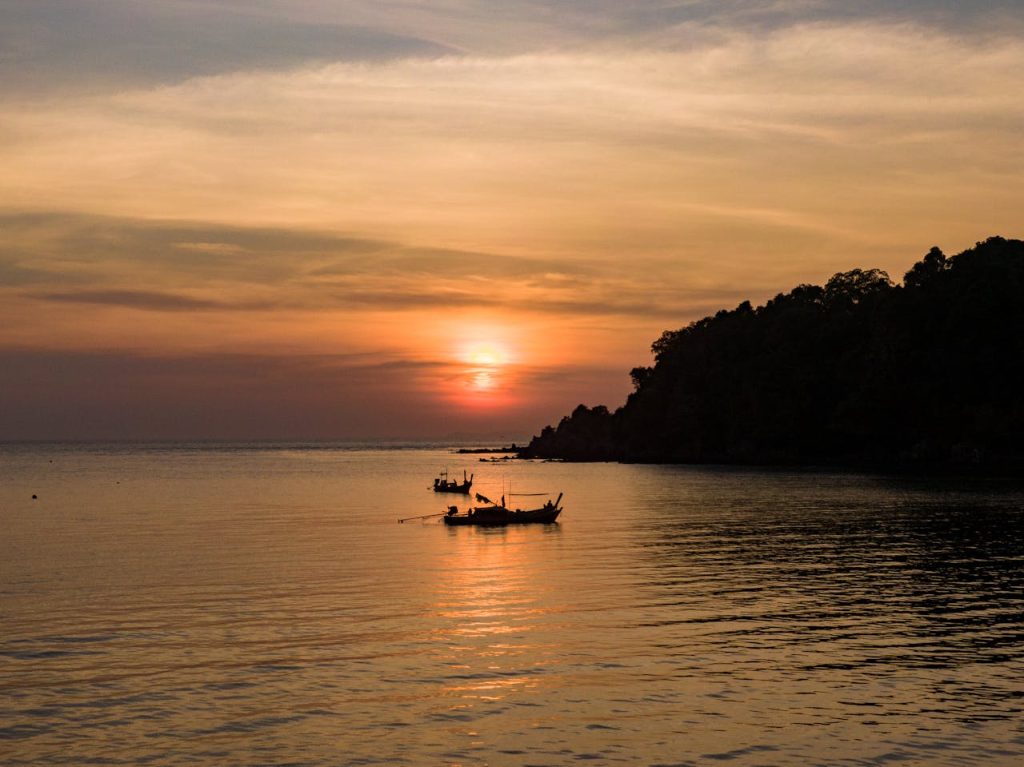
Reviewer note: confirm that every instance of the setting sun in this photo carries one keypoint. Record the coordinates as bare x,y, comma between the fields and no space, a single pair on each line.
486,355
486,360
484,379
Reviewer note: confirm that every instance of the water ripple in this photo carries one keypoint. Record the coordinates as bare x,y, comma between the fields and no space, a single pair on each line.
250,606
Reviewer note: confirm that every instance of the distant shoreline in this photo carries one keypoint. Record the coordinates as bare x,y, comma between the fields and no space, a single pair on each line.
998,468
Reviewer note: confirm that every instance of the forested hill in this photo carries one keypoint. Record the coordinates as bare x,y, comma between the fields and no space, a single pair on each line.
860,370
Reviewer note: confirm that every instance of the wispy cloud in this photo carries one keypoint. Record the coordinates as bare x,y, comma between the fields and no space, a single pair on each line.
130,264
98,45
817,136
141,299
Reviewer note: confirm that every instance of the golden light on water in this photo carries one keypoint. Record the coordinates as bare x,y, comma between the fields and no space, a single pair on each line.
490,606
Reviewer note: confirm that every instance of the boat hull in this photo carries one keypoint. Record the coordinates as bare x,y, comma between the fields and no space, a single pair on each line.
462,489
499,517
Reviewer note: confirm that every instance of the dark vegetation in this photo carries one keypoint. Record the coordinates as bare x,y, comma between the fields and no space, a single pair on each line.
858,371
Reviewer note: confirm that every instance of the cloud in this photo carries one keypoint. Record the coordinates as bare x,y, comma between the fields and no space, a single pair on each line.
509,27
137,299
83,247
105,45
96,45
818,136
655,184
130,264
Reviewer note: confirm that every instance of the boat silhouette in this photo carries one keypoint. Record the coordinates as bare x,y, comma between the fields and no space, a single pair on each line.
444,485
498,515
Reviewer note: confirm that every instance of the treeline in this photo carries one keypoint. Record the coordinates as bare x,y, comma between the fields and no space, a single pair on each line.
860,370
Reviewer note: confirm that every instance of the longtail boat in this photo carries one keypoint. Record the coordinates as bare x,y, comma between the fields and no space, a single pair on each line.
444,485
497,515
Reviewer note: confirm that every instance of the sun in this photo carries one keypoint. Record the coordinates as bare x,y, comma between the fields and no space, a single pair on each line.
486,355
485,369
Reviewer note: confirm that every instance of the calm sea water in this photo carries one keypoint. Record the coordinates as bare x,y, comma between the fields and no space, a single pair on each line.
244,606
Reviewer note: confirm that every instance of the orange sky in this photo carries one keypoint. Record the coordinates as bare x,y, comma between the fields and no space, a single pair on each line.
331,220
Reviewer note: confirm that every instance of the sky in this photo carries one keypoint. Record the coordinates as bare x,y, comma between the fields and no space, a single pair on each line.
313,219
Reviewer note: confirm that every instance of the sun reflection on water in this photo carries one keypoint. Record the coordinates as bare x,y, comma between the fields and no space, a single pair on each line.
491,605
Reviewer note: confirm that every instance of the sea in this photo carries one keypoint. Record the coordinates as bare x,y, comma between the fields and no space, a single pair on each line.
213,604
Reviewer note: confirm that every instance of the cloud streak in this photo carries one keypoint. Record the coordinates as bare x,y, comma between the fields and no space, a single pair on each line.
234,269
139,299
107,44
97,45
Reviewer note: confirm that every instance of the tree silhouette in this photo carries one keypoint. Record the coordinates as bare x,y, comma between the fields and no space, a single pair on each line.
858,370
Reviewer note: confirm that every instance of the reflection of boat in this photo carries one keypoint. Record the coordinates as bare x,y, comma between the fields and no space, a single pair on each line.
444,485
497,515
